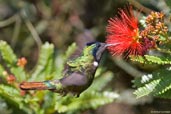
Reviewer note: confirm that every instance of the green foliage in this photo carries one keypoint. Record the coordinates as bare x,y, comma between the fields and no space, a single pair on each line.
45,65
19,73
146,89
4,108
158,84
7,53
46,102
70,50
11,60
150,59
89,100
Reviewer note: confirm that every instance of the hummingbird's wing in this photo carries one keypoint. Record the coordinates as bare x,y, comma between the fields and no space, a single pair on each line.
76,83
75,79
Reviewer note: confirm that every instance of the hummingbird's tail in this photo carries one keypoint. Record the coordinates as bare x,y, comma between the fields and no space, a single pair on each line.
35,86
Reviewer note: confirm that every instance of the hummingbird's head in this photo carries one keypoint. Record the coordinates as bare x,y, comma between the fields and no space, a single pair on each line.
97,49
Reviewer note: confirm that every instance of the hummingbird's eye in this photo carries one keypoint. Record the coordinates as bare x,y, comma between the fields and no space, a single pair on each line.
98,45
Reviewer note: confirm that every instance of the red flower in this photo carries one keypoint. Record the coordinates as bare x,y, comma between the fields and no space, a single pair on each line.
123,34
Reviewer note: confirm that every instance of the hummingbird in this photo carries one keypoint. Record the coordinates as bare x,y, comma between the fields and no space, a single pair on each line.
79,73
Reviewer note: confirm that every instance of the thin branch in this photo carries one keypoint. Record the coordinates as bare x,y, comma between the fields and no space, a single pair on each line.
8,21
31,28
139,6
33,32
16,30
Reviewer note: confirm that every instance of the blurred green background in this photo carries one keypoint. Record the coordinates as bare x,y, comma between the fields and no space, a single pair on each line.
27,24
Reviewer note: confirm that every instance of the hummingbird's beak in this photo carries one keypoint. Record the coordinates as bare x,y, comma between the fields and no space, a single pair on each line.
107,45
100,51
102,48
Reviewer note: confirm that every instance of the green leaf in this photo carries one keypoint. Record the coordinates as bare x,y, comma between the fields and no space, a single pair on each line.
10,91
147,89
158,59
71,49
45,64
165,81
12,95
166,94
146,78
7,53
149,59
140,59
89,100
19,73
159,84
4,107
11,59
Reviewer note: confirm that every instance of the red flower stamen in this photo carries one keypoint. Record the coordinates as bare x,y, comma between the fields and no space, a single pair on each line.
123,34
